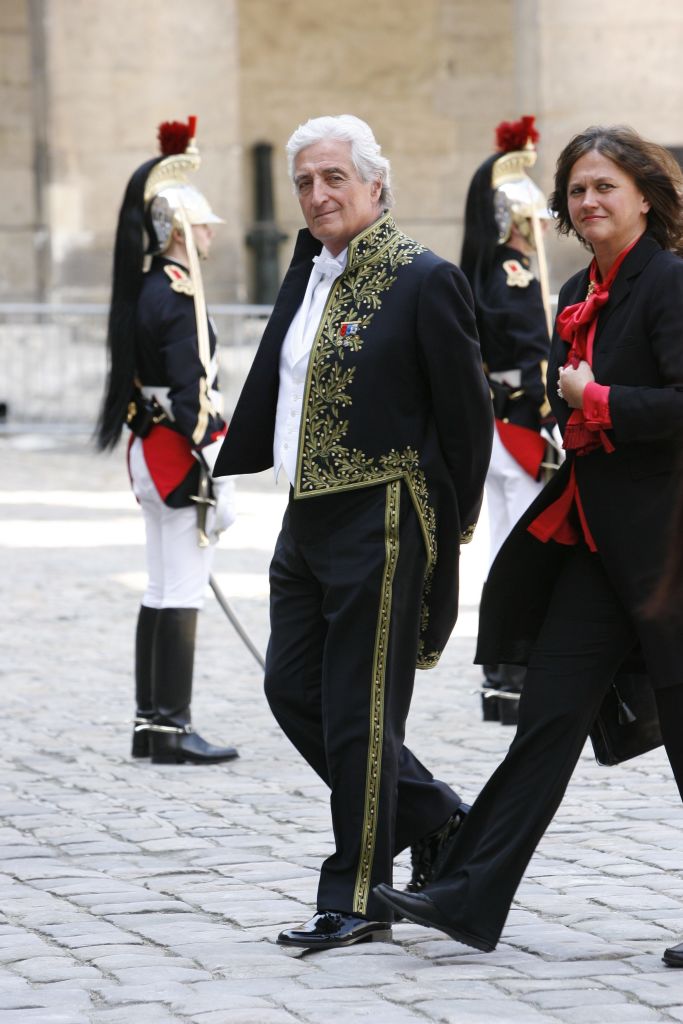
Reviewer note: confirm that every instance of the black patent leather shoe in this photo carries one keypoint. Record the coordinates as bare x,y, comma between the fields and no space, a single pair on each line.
329,929
673,956
180,744
418,907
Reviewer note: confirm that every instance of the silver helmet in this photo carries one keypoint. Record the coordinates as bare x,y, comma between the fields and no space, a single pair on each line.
517,198
170,199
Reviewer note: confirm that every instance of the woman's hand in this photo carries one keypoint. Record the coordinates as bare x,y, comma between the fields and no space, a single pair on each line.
572,383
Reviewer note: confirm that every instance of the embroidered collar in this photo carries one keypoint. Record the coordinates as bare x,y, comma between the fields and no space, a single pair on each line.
371,241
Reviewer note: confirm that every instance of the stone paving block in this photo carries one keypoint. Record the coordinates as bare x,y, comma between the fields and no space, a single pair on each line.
261,1016
113,993
142,1013
53,968
23,947
175,843
149,956
272,913
349,1005
559,972
57,996
578,997
220,995
158,973
502,1011
166,929
87,884
124,895
150,905
622,928
15,992
620,1013
44,1016
663,989
85,932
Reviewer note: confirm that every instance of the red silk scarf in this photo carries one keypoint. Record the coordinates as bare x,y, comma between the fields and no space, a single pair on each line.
577,325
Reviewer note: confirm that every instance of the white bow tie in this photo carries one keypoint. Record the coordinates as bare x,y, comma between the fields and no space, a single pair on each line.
326,266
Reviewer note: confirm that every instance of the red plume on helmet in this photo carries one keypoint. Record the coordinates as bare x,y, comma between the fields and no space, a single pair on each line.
175,136
515,135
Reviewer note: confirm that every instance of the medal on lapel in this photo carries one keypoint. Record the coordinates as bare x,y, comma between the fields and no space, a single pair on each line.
346,332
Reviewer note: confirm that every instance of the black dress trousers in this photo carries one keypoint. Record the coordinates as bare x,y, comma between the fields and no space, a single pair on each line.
584,639
346,596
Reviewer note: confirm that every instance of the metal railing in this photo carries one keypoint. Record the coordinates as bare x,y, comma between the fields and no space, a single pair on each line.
53,360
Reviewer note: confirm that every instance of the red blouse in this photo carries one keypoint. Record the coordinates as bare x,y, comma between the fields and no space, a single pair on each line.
585,429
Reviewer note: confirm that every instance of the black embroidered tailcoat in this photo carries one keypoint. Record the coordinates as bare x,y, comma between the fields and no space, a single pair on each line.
400,394
628,494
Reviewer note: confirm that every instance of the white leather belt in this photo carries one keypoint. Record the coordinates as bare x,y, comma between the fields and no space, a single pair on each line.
513,378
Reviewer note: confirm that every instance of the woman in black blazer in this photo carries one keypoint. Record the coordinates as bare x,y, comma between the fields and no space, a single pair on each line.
567,591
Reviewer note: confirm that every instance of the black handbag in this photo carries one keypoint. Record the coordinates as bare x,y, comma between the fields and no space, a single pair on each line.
627,724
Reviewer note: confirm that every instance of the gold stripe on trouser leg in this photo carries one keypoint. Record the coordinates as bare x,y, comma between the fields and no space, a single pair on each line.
379,667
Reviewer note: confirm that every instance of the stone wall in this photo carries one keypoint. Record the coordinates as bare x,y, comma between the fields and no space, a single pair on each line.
84,83
20,226
434,79
578,65
107,76
431,78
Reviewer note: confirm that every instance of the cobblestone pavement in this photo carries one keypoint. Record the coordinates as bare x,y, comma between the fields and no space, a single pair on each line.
139,893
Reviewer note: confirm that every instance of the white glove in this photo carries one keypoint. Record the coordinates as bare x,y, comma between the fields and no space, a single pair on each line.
223,514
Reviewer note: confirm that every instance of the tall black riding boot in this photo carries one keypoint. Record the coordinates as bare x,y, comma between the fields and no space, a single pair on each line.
513,677
172,737
144,651
489,700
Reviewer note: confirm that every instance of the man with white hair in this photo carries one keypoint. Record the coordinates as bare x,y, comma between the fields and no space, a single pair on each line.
367,392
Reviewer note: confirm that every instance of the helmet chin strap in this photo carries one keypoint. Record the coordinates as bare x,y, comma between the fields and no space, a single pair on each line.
203,345
197,288
542,268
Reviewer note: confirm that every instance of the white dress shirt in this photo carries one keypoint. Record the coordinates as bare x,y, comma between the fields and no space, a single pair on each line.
294,355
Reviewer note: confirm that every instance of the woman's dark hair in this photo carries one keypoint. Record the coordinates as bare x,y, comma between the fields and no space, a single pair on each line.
481,237
129,255
652,167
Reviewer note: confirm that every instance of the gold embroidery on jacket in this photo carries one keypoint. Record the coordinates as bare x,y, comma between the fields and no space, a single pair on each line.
373,775
325,463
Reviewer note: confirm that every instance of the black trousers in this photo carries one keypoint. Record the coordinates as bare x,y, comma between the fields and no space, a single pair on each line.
346,583
586,634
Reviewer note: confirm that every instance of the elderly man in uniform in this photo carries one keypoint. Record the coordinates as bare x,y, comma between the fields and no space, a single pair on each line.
368,394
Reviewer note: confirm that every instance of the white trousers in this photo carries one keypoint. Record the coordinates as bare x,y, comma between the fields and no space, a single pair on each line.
178,569
509,492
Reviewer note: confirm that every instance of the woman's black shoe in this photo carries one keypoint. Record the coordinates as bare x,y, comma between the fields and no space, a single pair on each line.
418,907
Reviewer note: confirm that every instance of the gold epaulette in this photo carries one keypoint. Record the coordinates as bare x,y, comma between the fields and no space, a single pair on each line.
517,275
181,281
